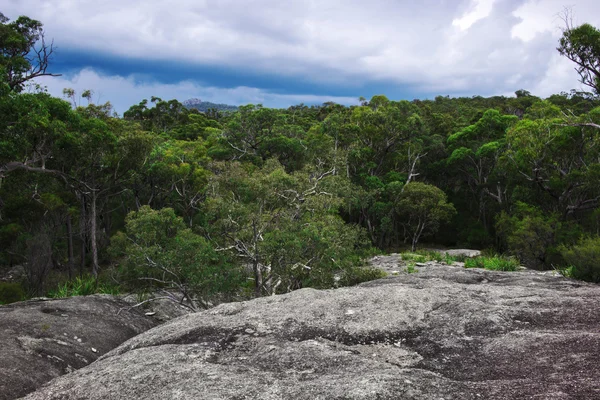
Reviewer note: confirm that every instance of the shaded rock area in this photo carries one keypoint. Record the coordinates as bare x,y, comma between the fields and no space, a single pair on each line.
442,333
43,339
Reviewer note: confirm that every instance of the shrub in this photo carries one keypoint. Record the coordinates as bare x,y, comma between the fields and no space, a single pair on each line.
356,275
583,259
567,272
11,292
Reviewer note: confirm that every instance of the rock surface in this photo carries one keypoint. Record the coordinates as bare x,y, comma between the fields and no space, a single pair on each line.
43,339
160,309
441,333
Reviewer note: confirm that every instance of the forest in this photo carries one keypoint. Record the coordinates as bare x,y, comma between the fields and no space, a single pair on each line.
221,205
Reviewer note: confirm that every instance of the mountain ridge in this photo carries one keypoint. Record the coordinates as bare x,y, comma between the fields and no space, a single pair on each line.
204,106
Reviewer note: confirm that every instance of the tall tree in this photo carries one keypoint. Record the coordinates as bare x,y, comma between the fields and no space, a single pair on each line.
24,53
582,46
424,208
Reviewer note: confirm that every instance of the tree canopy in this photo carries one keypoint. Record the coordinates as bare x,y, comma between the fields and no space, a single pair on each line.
259,201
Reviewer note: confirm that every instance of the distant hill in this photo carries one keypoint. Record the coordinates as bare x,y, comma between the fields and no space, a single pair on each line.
206,105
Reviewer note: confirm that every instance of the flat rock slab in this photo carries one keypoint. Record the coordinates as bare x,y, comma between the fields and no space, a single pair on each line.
442,333
462,252
43,339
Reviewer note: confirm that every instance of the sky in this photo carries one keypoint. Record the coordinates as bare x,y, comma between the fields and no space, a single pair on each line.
281,53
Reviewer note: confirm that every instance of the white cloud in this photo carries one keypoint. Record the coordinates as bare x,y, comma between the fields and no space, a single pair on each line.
123,92
447,46
481,9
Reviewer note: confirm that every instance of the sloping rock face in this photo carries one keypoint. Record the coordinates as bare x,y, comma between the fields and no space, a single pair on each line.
43,339
442,333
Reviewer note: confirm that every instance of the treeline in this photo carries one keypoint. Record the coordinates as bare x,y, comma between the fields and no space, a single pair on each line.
263,201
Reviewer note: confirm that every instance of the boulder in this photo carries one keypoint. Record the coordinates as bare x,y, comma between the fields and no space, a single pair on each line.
43,339
441,333
462,252
160,308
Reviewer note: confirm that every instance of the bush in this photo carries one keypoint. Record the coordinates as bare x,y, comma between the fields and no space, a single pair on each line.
583,259
11,292
356,275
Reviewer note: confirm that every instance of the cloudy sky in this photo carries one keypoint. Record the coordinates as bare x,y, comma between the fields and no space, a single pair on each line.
280,53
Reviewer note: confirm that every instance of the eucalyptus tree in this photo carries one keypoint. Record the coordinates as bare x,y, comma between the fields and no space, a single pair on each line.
24,53
423,208
581,45
560,158
283,227
476,151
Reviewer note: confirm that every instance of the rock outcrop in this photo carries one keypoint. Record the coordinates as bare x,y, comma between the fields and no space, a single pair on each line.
43,339
441,333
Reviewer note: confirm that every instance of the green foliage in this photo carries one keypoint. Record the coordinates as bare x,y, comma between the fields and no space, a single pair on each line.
432,255
424,208
284,226
568,271
159,252
494,263
529,234
20,59
280,199
356,275
11,292
421,256
582,46
83,286
410,268
450,259
583,259
414,257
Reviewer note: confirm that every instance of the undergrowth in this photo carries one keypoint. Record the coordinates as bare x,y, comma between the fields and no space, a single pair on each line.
494,263
83,286
422,256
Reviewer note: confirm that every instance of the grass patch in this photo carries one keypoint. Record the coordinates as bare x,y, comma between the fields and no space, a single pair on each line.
450,259
83,286
410,268
413,257
421,256
568,272
493,263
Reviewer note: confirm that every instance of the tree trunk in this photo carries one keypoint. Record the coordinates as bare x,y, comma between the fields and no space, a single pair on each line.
83,235
258,279
93,238
70,263
413,246
417,235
